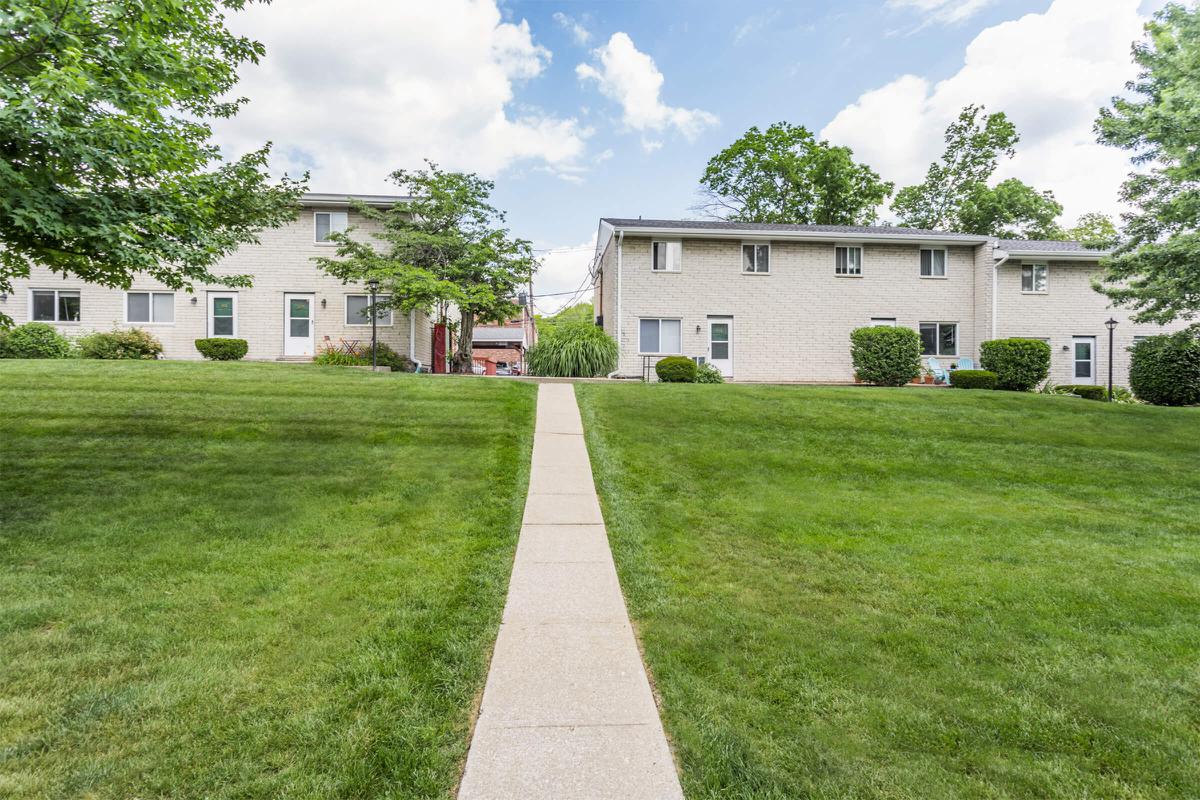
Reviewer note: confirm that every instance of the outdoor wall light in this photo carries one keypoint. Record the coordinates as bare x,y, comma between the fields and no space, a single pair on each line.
322,302
697,329
194,299
3,298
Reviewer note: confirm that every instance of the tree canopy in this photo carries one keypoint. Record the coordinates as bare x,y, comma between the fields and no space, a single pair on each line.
106,168
1156,268
580,312
783,174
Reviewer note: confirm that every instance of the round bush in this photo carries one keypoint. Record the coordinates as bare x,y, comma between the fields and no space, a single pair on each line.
222,349
573,350
1166,369
676,369
707,373
1019,364
972,379
134,343
1085,390
34,340
886,356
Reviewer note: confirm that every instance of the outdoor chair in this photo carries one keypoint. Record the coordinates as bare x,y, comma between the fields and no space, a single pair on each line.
940,375
966,363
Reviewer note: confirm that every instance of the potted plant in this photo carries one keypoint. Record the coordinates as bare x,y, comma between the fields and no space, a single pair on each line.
926,376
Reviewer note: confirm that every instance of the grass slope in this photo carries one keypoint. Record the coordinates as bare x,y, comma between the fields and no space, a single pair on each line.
247,580
876,593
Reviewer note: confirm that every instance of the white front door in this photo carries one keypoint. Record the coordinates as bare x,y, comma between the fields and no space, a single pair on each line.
720,345
298,336
1084,356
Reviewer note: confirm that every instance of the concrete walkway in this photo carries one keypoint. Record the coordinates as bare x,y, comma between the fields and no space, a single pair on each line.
567,710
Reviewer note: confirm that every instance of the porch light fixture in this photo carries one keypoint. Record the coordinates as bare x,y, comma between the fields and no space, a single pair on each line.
322,302
1111,324
697,328
373,285
193,299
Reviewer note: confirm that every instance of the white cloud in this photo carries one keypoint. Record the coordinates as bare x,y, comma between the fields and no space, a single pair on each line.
576,27
1049,72
629,76
563,269
942,12
377,86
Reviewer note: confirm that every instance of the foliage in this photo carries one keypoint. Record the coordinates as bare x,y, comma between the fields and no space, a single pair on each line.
707,373
446,246
1096,231
105,159
1156,269
134,343
885,356
955,195
573,350
784,174
385,356
1087,391
676,369
34,340
1019,364
218,349
580,312
972,379
1165,369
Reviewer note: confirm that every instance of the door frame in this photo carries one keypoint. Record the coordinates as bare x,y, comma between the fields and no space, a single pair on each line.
1091,340
208,314
311,297
721,321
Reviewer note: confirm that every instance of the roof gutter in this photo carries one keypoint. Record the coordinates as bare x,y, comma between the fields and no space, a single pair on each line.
733,233
1060,255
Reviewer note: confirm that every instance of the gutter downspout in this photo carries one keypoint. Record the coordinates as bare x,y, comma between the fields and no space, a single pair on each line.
995,288
412,340
620,240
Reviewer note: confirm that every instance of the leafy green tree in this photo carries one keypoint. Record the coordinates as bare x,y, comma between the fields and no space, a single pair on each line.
444,248
580,312
1094,230
1156,268
785,175
106,168
955,195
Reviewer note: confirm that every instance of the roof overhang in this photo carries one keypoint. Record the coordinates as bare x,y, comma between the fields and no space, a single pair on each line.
810,236
1052,255
320,200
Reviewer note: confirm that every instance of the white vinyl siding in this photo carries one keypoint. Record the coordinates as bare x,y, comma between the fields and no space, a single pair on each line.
327,222
660,336
847,261
933,262
356,310
54,305
666,256
756,258
1034,278
155,308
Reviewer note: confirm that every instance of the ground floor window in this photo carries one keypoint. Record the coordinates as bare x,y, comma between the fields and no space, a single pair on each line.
357,305
154,307
660,336
939,338
54,305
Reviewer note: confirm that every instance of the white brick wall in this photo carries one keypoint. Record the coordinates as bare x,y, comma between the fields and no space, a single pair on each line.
280,264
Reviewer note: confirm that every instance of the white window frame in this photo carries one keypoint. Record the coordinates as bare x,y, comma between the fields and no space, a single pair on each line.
1033,268
56,293
945,263
883,321
152,320
208,313
379,323
343,216
660,321
938,338
667,244
756,270
837,268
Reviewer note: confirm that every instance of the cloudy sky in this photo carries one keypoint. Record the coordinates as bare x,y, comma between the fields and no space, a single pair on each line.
586,109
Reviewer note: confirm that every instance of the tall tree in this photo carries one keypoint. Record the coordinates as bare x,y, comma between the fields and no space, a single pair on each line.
955,195
447,247
106,168
784,174
1156,268
1094,230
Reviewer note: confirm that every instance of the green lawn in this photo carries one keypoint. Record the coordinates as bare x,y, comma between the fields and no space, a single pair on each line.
249,580
874,593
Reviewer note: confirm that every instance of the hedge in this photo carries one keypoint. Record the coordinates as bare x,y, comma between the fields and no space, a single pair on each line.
972,379
131,344
676,369
222,349
1165,369
34,340
1019,364
886,356
1085,390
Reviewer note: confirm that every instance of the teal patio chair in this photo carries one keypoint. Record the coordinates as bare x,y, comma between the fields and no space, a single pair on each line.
940,375
966,363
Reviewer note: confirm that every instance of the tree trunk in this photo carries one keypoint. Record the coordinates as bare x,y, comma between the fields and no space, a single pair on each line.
464,352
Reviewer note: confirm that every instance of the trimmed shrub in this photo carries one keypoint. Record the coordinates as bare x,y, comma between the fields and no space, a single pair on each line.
573,350
676,369
972,379
1020,364
707,373
34,340
1165,369
1085,390
886,356
133,344
222,349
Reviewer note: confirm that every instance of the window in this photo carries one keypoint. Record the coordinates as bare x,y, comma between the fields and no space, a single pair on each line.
886,321
327,222
847,261
153,307
939,338
660,336
222,315
356,310
933,263
53,305
756,258
666,256
1033,278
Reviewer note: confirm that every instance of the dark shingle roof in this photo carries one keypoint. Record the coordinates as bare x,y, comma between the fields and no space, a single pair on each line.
715,225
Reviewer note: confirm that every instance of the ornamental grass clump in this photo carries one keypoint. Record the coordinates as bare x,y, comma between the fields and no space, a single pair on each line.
573,350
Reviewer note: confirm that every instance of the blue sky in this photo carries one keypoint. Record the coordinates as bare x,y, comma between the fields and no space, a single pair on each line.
583,109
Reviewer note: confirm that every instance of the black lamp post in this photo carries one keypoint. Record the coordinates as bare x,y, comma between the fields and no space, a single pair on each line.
1111,324
373,285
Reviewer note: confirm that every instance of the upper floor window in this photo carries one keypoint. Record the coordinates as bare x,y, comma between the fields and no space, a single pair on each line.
357,314
54,305
327,222
1033,278
666,256
939,338
756,258
933,262
153,307
847,260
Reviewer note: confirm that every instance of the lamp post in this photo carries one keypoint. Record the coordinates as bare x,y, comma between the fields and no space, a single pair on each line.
1111,324
373,285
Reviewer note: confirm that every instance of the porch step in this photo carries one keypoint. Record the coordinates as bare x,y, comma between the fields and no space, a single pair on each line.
295,359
